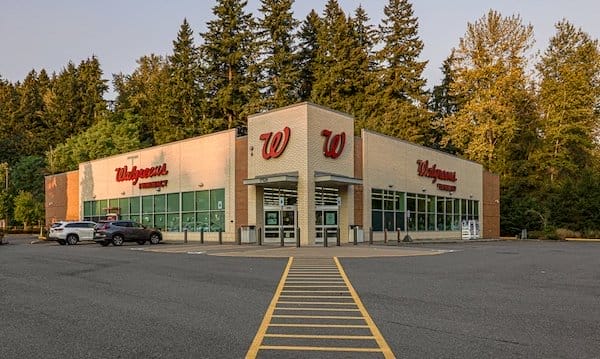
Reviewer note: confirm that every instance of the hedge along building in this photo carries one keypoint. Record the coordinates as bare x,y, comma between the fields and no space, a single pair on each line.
298,173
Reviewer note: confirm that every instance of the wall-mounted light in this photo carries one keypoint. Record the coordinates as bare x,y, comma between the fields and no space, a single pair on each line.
123,193
497,200
200,184
390,186
450,193
424,189
94,196
158,189
470,196
251,150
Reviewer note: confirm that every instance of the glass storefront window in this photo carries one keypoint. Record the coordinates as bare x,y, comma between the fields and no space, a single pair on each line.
187,201
376,199
377,220
217,221
188,220
400,202
124,206
217,199
173,202
431,203
202,201
159,222
173,222
159,203
147,204
87,209
148,220
134,205
202,221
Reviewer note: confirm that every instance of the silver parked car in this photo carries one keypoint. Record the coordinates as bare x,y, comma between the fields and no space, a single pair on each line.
72,232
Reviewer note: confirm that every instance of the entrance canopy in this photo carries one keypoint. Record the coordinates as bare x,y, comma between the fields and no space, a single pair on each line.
281,180
333,180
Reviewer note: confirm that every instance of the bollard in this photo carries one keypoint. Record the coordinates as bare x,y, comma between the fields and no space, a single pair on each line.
298,237
325,237
202,235
385,236
337,237
220,237
185,235
398,230
355,235
239,236
370,235
259,236
281,236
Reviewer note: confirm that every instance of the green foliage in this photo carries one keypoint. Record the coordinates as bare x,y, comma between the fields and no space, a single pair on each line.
568,98
5,205
488,69
398,103
181,115
308,44
105,138
27,209
28,175
143,95
230,66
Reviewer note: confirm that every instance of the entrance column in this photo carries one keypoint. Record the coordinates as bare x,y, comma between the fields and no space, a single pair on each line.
306,209
255,207
346,217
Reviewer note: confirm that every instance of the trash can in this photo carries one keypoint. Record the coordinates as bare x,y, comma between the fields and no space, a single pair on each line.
359,234
248,234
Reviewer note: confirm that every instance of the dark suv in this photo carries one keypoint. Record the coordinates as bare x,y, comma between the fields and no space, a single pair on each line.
117,232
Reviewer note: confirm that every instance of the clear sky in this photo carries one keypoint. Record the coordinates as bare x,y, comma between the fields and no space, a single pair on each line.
36,34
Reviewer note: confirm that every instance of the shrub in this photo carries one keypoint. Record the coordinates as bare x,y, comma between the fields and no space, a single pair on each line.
563,233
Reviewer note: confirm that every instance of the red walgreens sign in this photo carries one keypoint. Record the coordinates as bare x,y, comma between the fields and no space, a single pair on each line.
135,174
274,145
435,173
333,146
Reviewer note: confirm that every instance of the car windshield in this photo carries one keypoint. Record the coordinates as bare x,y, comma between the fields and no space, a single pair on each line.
57,224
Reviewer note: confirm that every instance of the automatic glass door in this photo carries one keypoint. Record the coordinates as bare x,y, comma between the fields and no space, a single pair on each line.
280,221
326,223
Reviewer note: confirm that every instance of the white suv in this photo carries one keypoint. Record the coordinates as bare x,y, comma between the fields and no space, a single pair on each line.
72,232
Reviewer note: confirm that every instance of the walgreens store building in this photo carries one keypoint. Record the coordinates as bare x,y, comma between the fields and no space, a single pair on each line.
298,173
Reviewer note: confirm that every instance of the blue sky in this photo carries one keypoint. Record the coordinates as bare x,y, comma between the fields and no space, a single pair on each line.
37,34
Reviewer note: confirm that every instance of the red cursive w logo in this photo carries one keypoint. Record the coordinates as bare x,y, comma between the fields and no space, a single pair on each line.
274,147
333,146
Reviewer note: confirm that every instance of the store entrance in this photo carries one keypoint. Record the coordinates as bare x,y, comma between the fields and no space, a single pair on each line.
280,215
280,221
326,223
327,213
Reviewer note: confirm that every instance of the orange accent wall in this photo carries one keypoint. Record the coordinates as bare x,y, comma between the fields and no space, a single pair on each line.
491,205
62,197
358,190
241,190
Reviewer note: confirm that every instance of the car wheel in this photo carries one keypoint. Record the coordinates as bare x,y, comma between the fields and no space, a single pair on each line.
141,242
104,243
154,238
118,240
72,239
62,242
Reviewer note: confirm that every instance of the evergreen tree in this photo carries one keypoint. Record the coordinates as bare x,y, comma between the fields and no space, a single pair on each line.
442,104
307,55
495,101
92,88
31,125
279,65
569,97
9,133
229,57
184,99
143,95
399,104
339,62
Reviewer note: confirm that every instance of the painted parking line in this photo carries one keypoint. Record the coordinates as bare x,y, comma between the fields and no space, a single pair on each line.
316,309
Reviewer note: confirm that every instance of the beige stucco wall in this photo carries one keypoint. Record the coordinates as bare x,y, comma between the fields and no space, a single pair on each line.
200,163
390,163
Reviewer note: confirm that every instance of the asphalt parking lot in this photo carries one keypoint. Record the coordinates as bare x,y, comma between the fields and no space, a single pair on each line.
499,299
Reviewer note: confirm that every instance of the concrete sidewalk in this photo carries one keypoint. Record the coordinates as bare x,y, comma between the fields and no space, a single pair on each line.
316,251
